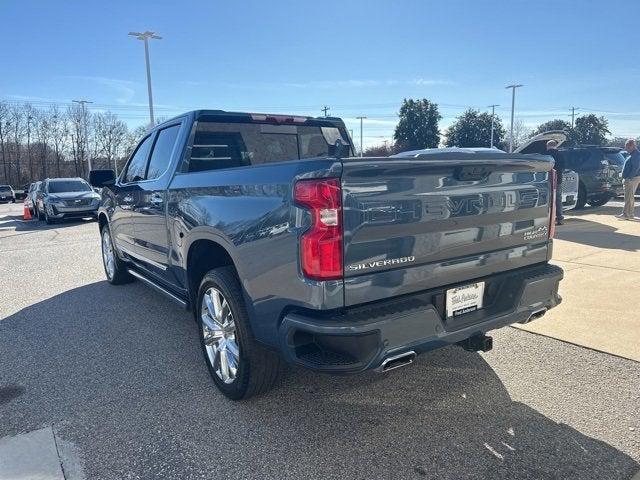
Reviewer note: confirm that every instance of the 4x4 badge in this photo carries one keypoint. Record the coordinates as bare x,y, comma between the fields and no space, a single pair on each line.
539,232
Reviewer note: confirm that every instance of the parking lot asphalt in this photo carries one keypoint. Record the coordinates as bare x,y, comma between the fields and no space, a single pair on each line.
117,373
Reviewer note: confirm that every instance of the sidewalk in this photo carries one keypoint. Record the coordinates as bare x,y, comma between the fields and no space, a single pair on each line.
601,288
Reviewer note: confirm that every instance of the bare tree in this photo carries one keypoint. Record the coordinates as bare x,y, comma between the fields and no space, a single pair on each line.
4,125
42,125
48,138
110,136
521,133
16,119
29,115
76,117
59,134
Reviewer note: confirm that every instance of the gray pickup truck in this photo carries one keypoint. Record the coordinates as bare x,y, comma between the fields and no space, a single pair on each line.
287,246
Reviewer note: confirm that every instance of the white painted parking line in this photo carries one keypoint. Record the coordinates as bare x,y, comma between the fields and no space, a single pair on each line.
31,455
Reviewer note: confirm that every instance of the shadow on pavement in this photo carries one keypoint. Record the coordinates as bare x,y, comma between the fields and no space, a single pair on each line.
588,232
19,225
118,371
606,210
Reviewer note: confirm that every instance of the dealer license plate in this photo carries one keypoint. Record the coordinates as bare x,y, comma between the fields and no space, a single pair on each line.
465,299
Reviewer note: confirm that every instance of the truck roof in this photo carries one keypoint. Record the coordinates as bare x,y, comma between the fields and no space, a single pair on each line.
259,117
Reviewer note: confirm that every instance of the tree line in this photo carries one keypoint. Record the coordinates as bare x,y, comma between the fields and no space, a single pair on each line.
418,127
60,142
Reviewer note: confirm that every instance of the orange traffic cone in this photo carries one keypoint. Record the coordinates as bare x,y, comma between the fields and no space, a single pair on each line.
26,213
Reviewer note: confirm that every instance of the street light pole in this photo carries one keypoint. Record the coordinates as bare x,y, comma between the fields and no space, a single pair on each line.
145,36
513,104
361,119
493,117
83,104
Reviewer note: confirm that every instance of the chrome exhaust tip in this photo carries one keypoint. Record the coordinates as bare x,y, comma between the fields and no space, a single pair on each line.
537,314
397,361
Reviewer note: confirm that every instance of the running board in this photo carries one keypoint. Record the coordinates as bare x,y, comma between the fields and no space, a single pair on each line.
158,288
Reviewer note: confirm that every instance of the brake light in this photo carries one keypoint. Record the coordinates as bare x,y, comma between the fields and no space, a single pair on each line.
262,117
552,218
321,245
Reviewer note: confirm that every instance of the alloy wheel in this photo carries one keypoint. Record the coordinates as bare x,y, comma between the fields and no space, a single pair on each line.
219,333
107,254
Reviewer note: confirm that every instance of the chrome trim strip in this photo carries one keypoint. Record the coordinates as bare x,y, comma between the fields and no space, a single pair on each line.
142,258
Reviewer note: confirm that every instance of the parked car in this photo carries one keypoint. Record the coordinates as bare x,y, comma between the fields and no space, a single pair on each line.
59,198
7,194
284,248
600,170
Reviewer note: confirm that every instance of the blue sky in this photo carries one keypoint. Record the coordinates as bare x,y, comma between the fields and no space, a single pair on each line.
357,57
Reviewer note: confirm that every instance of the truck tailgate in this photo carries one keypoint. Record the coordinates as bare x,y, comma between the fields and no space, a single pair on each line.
415,224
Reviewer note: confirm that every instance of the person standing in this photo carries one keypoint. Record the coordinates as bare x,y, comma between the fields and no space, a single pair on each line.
630,179
558,166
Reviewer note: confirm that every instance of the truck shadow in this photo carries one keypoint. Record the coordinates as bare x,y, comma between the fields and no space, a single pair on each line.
119,372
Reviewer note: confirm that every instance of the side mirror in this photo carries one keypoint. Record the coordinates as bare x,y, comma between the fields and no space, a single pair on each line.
102,178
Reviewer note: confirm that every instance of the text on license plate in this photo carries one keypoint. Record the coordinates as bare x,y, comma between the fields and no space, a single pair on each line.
464,299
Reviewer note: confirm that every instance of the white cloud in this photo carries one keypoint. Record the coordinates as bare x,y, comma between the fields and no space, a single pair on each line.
124,89
364,83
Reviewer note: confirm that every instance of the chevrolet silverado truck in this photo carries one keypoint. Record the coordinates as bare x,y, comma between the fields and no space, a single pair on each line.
287,246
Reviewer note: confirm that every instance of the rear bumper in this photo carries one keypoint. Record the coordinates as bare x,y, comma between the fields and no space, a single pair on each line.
362,338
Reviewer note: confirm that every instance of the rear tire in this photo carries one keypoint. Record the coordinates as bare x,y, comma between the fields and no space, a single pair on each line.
114,268
226,332
582,197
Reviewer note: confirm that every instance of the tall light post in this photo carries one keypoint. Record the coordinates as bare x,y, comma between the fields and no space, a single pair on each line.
83,104
145,36
361,119
513,106
493,117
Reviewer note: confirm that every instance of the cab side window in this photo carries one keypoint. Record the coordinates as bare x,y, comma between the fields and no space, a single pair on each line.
162,150
138,163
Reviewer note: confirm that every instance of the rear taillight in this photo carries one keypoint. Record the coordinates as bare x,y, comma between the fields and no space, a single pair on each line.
321,245
552,214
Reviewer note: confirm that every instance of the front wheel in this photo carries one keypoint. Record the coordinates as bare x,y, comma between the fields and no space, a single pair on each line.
47,218
239,366
114,268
